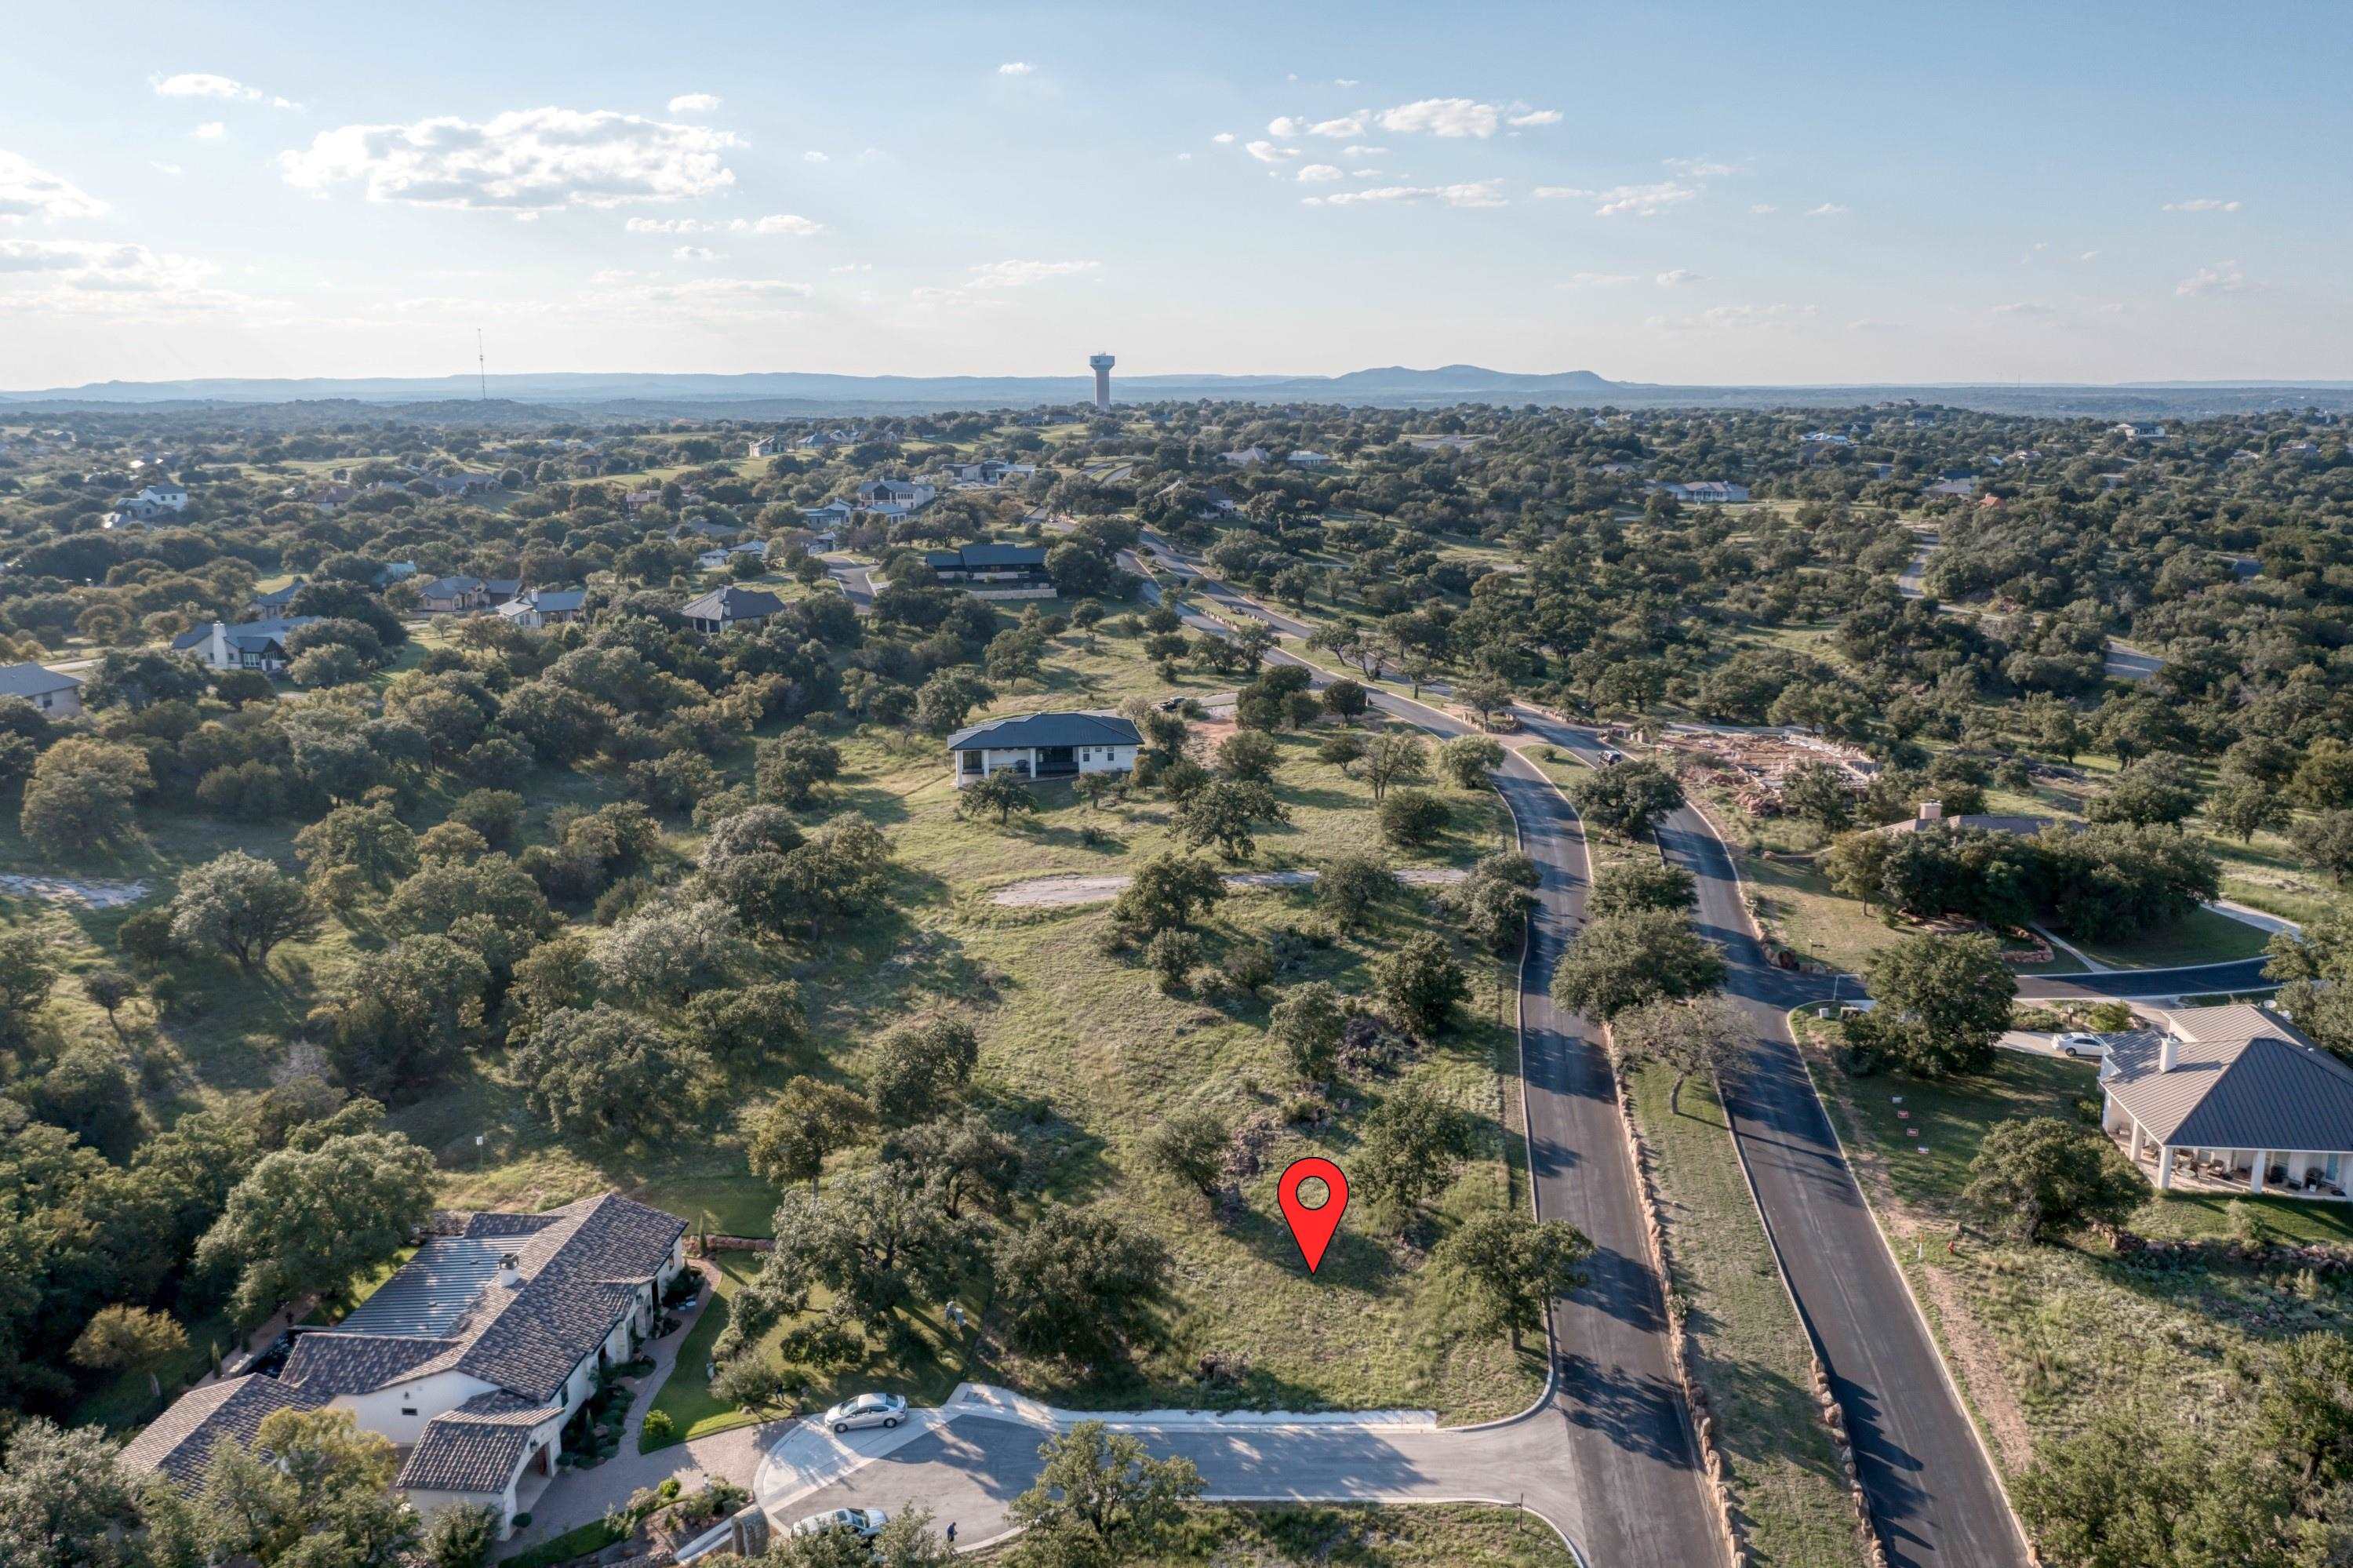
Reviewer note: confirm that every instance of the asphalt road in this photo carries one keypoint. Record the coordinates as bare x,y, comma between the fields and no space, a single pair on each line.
969,1471
1931,1487
1623,1480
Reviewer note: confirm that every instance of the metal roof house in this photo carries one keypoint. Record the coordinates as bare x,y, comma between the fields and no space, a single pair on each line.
993,571
1044,745
2231,1099
473,1358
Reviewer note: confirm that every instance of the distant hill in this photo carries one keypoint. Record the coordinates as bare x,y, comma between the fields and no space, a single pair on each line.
771,395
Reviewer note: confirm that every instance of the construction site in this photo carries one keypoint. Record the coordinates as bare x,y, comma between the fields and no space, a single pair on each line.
1754,765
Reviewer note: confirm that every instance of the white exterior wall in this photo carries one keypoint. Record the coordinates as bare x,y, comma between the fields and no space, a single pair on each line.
503,1504
1090,760
436,1393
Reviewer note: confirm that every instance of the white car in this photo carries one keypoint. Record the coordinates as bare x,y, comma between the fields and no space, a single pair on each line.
859,1521
867,1410
2090,1045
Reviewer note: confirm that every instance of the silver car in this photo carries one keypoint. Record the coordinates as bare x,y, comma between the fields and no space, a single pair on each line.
2090,1045
859,1521
867,1410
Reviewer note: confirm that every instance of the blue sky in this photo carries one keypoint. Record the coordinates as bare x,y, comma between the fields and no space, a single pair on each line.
1692,193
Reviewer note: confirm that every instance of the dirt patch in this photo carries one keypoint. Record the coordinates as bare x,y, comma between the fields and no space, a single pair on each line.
1066,892
98,895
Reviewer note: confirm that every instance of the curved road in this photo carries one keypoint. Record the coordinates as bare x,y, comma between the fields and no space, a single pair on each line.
1934,1494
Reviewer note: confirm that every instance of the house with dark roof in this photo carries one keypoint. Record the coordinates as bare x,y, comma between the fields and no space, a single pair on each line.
473,1359
459,594
993,571
728,606
1044,745
247,645
53,692
2230,1099
536,607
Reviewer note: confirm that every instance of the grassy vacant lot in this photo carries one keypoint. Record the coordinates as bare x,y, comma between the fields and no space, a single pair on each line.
1081,1049
1309,1536
1752,1352
2043,1339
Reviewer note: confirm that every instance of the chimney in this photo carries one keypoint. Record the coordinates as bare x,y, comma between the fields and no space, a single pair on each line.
510,1269
1932,810
2168,1049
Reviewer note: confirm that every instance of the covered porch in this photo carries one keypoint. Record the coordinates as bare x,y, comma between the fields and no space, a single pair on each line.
2271,1173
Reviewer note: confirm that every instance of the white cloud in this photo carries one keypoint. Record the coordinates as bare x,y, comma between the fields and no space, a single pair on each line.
853,267
1365,174
695,103
163,168
210,131
1476,192
1828,209
103,277
1268,152
694,253
1536,117
1702,168
2024,309
525,161
2202,204
206,84
1362,151
1315,174
1015,68
1737,318
2089,256
1021,274
1222,137
814,156
774,223
1345,82
29,191
1763,207
1596,279
1441,117
1866,323
1675,277
2223,278
1286,126
1640,201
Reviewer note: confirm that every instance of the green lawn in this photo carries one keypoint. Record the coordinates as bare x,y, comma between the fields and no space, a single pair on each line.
2201,936
1752,1354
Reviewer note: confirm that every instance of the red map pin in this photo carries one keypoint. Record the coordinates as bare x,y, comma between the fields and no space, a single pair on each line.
1312,1228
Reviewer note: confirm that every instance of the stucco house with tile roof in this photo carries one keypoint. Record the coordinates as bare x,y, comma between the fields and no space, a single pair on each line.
472,1358
2230,1099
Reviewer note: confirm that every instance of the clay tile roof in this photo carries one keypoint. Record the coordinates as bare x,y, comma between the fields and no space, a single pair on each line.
178,1444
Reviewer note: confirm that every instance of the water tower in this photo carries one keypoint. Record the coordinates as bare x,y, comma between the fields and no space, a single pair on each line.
1103,364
